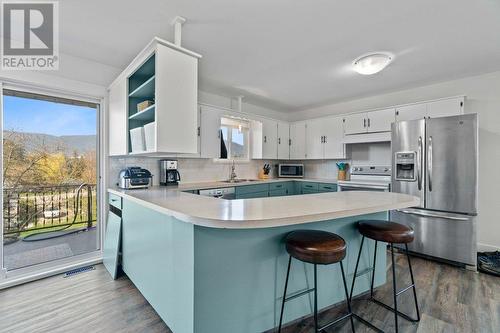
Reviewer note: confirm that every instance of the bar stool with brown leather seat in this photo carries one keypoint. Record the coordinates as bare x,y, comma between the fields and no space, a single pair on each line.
392,233
317,248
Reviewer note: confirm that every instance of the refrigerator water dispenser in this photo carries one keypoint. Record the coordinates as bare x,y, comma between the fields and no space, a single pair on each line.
406,166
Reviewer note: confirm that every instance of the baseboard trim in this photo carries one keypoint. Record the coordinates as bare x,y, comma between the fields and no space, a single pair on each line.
481,247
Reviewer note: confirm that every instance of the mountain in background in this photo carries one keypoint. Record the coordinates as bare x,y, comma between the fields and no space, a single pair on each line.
68,144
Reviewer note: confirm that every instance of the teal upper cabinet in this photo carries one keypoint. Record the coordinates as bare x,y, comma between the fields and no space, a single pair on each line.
164,78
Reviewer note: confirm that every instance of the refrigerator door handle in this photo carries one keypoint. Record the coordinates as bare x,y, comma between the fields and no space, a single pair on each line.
429,163
419,164
428,214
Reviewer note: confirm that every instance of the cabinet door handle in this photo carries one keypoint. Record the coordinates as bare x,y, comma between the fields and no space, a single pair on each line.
279,141
326,139
368,122
364,123
265,139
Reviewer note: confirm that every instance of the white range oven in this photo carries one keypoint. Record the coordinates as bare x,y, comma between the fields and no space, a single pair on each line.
367,178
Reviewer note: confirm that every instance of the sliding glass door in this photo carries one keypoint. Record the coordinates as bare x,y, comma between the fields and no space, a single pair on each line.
49,179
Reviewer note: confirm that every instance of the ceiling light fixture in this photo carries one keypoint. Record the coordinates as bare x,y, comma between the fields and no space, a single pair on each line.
372,63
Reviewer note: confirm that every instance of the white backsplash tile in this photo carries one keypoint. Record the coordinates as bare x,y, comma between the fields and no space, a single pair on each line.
191,169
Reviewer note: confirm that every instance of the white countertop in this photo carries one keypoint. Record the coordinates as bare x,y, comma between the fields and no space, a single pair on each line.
262,212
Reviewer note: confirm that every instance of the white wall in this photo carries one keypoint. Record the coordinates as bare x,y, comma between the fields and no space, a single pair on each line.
483,98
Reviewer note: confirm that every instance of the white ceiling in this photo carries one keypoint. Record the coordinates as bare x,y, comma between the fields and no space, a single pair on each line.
290,55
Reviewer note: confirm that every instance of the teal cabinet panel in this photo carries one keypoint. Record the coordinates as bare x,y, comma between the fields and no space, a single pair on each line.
278,193
309,186
290,188
111,250
327,187
308,191
252,195
115,200
251,189
277,186
158,257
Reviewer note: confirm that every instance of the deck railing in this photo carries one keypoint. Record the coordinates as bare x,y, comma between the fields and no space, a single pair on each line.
33,209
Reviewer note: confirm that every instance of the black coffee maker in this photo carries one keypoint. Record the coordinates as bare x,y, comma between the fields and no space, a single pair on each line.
169,175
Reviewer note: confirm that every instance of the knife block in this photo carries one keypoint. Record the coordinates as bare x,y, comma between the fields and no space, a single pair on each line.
262,175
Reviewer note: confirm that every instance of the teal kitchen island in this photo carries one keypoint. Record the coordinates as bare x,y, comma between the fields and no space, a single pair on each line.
209,265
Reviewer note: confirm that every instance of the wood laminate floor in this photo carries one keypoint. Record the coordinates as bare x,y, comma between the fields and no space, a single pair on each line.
451,300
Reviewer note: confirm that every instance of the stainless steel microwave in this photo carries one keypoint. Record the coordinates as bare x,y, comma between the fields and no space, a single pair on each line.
291,170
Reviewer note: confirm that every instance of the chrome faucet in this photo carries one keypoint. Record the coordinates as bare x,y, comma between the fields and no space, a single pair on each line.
232,176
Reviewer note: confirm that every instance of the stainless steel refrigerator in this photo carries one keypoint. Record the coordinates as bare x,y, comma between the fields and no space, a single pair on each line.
437,161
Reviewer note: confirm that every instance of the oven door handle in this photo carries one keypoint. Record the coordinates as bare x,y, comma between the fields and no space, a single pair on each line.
367,187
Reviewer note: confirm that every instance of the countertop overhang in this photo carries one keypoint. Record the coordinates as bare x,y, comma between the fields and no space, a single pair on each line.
262,212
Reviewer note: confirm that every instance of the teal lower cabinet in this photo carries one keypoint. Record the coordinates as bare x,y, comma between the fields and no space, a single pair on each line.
252,195
201,279
323,187
278,193
309,187
252,191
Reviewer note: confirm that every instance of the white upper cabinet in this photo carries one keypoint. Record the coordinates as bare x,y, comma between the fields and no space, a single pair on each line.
333,138
210,121
411,112
264,139
324,138
434,109
176,99
298,140
117,111
369,122
314,139
165,77
283,141
446,107
355,123
269,139
380,120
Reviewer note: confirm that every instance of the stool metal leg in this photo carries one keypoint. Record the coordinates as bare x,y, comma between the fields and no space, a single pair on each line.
347,296
413,283
374,266
356,267
394,288
316,326
284,293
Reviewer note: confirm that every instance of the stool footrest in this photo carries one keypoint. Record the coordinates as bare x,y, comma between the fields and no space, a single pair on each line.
405,316
405,289
364,271
298,294
344,317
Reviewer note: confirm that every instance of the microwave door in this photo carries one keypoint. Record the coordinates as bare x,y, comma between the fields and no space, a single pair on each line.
408,158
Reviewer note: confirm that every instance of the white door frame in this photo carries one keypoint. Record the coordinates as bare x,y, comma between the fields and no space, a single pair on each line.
42,270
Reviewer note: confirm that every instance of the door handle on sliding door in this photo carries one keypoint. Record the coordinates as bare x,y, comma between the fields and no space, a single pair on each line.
429,164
